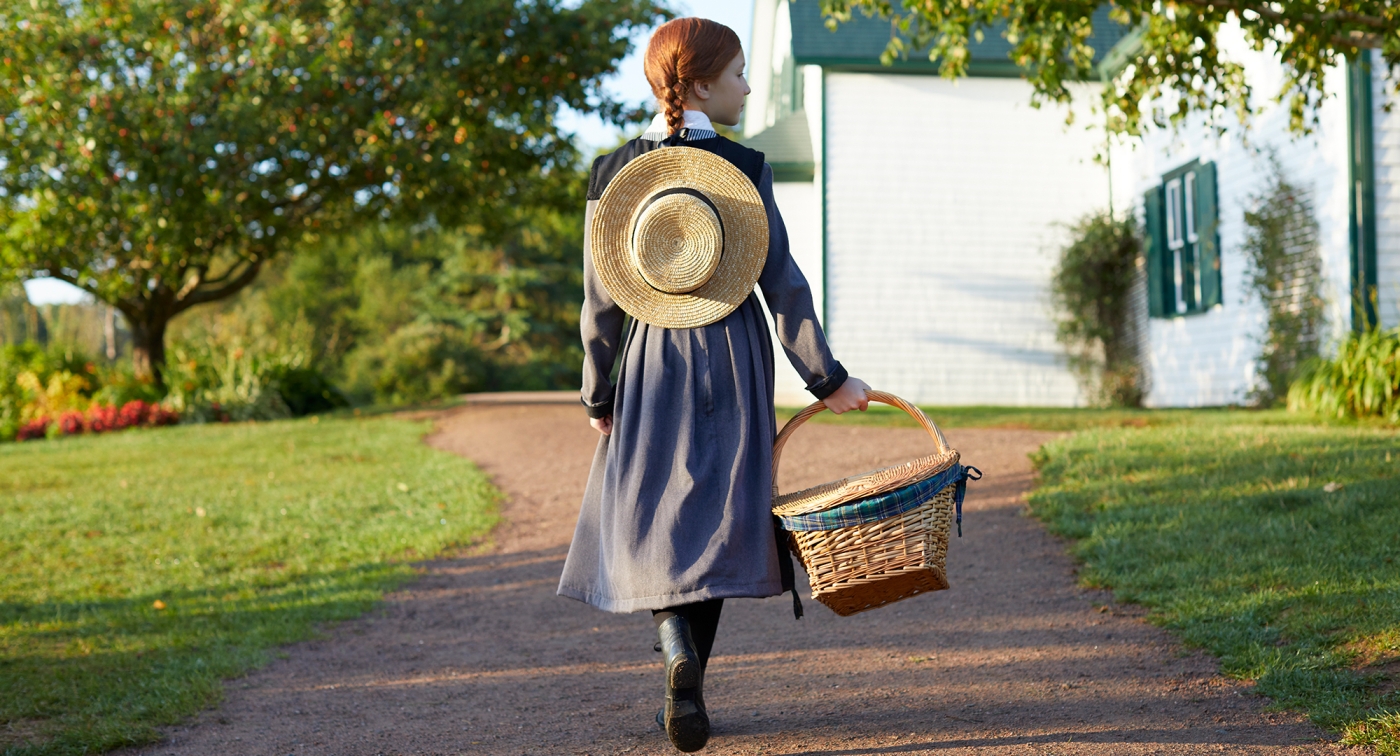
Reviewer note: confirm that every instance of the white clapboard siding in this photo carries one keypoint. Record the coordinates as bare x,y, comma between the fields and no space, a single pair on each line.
942,201
800,206
1209,359
1387,151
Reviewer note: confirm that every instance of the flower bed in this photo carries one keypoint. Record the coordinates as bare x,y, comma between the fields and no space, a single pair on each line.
99,418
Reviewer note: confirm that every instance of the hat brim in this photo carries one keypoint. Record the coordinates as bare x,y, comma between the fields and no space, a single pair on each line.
740,209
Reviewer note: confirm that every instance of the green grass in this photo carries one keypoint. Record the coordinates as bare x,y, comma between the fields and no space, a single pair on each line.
1225,527
250,536
1047,418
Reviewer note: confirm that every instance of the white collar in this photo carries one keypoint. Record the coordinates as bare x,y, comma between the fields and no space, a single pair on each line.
697,124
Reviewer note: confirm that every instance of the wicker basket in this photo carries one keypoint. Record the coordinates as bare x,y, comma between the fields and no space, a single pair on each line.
875,538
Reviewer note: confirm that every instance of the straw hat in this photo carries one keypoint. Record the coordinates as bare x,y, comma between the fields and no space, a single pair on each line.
679,237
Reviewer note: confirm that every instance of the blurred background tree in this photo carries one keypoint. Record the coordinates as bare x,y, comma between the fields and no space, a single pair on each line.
159,154
1172,48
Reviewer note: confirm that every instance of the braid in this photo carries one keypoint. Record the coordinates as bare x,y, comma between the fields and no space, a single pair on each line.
682,52
673,105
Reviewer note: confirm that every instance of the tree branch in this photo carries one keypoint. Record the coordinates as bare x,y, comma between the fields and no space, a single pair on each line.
1355,38
193,283
233,285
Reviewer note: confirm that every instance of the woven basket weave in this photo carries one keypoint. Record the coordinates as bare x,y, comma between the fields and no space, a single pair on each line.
854,561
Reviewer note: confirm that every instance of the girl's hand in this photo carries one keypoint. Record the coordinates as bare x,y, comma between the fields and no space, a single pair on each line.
850,396
604,424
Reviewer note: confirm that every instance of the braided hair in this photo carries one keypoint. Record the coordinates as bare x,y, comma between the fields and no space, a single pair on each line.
681,54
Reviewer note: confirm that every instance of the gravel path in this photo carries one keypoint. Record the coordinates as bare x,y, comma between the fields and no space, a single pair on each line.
480,656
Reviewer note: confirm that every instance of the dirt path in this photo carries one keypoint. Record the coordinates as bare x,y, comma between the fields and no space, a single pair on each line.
480,656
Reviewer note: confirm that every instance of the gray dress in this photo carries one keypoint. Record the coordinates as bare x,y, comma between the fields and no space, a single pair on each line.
677,508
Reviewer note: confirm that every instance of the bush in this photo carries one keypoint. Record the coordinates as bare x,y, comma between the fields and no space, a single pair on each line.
244,363
1285,272
98,418
416,363
1362,381
39,384
1091,291
305,390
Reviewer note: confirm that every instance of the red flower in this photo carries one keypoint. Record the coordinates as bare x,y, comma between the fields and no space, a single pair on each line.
71,423
102,418
36,428
162,416
133,413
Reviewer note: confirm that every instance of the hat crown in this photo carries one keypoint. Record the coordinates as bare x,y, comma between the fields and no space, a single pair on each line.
677,242
679,237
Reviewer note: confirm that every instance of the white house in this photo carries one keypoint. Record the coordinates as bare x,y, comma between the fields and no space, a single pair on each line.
927,214
1203,333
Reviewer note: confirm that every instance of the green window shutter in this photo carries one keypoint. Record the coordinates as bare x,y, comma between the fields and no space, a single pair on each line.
1208,222
1157,258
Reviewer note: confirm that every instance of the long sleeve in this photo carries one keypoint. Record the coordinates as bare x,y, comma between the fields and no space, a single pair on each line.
600,325
789,298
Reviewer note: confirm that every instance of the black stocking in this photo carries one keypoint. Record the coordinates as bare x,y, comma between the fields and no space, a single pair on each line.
703,617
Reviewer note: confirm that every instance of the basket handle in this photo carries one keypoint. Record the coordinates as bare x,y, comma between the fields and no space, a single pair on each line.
817,407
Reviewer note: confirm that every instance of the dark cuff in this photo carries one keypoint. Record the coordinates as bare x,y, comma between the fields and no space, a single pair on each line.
597,411
828,385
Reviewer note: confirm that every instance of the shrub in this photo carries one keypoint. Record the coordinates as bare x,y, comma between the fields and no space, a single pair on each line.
99,419
43,382
37,428
241,363
1362,381
419,362
1091,292
222,382
1285,273
306,390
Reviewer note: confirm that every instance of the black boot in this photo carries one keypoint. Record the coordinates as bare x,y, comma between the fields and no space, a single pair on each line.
684,718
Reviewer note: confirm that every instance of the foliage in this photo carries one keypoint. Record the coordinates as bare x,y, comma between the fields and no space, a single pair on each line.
1285,273
62,392
1273,548
20,321
1091,291
96,418
249,536
1362,380
157,153
396,314
1172,55
26,371
226,366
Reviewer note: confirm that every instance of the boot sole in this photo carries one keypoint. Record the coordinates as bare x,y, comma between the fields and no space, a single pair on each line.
684,674
688,727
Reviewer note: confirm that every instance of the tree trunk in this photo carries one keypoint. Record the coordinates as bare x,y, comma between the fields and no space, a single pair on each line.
148,350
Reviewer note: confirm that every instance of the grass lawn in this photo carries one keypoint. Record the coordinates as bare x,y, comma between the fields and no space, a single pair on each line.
1271,542
1046,418
142,568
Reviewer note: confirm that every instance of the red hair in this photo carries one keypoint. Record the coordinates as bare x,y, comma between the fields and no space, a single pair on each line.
681,54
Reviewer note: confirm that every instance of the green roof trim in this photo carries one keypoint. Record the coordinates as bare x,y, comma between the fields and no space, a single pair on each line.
787,145
856,45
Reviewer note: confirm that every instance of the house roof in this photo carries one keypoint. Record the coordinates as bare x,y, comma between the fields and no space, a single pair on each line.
787,146
858,43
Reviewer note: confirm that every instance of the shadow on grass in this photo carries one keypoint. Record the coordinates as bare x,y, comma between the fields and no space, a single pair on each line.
1272,548
87,676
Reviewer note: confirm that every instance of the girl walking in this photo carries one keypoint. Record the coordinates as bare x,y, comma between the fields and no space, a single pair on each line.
681,224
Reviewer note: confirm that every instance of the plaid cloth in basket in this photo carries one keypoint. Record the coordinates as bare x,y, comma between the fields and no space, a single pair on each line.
887,505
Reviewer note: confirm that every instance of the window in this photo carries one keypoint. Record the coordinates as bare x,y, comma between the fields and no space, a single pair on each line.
1183,253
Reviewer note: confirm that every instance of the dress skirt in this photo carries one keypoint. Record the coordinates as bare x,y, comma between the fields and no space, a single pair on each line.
677,506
